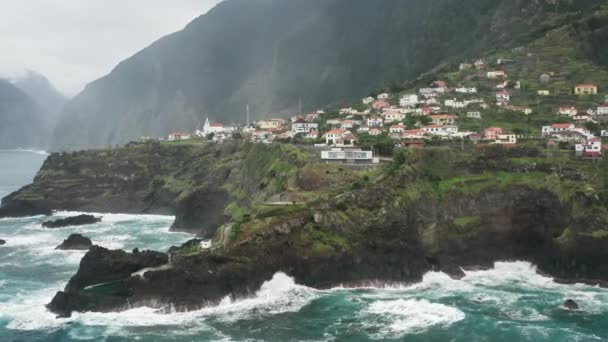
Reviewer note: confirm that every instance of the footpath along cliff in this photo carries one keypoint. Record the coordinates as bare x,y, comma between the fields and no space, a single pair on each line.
429,209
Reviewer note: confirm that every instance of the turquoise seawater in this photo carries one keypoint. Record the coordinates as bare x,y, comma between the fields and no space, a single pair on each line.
508,303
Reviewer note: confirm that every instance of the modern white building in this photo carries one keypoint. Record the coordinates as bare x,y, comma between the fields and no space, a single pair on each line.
349,156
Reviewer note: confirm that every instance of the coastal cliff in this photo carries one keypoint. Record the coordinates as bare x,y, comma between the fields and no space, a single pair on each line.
203,185
429,209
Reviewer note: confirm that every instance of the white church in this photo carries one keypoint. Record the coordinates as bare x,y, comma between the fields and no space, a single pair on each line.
214,128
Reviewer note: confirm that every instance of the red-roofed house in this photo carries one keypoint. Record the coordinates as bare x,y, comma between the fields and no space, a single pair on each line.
339,137
444,119
380,104
590,148
492,133
549,130
400,128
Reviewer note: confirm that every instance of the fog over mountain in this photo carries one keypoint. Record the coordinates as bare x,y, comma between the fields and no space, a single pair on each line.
274,54
29,110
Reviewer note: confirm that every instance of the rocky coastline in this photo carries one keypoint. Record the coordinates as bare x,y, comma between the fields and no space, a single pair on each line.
426,211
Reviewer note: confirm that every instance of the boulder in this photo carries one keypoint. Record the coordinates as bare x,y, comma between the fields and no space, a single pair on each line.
76,242
571,305
105,272
79,220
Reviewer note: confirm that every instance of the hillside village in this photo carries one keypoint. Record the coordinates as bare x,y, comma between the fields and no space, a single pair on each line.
483,107
546,93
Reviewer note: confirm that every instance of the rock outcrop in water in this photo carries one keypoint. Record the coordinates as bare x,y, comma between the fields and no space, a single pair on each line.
2,242
76,242
571,305
98,283
80,220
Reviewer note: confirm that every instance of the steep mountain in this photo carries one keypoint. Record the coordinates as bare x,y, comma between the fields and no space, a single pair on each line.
274,54
21,119
39,88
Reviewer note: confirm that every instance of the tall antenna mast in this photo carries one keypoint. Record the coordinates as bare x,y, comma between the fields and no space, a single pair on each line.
300,106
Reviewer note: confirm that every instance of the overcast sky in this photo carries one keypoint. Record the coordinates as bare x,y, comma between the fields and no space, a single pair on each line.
74,42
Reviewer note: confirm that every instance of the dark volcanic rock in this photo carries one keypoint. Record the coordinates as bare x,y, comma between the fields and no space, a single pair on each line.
571,305
103,270
19,209
2,242
76,242
79,220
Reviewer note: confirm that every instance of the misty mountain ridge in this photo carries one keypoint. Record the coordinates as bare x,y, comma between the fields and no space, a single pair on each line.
29,108
275,54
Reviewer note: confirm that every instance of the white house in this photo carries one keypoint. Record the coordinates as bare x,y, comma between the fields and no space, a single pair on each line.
394,116
590,148
454,103
570,111
474,115
312,134
583,118
465,90
312,117
432,129
544,92
503,96
555,128
177,136
303,126
375,131
347,124
409,100
506,138
363,129
400,128
605,133
368,100
271,124
384,96
431,92
496,74
375,121
602,110
339,137
465,66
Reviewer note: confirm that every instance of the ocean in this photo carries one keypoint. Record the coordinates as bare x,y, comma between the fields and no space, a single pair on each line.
508,303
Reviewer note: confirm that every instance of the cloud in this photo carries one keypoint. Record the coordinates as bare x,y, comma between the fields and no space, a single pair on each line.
74,42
